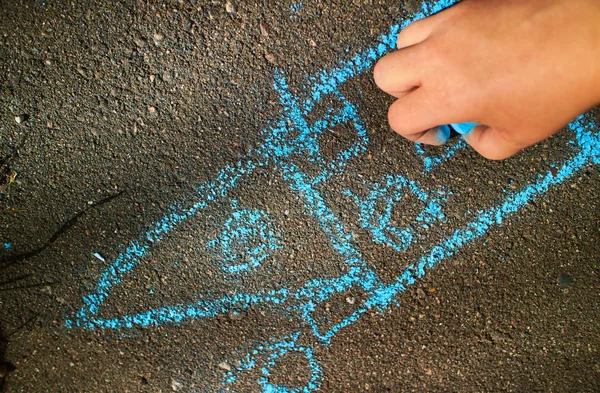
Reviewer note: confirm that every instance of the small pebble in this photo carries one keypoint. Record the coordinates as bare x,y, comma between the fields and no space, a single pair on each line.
270,58
152,110
224,366
157,37
350,300
229,7
176,386
167,76
21,119
264,30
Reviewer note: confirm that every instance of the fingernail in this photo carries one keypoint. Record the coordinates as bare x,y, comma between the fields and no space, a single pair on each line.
443,134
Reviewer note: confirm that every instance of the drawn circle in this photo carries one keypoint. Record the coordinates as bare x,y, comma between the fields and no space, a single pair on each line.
312,385
248,238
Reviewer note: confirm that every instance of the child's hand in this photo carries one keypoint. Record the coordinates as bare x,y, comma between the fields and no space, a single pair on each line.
524,69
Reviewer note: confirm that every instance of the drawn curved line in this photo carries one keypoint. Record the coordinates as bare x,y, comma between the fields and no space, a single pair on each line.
588,142
303,299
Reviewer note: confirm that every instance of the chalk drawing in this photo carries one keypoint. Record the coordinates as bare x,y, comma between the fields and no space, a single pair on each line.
249,236
296,7
378,220
274,351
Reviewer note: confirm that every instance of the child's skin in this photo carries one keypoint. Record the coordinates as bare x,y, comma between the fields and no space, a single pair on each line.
524,69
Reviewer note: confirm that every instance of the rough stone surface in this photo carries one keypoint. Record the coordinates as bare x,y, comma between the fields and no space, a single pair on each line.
151,99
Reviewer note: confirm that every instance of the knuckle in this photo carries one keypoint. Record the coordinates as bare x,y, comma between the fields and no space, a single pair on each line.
438,50
444,96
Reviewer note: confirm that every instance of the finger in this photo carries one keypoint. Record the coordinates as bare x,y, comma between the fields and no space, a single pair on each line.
436,136
491,143
417,112
418,31
414,33
399,72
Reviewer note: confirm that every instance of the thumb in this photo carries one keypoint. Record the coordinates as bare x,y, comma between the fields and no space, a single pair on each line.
492,143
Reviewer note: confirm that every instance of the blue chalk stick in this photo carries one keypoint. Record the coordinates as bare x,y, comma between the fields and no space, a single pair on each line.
443,134
463,128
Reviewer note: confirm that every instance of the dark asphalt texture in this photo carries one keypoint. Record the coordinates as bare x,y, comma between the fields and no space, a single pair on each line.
127,106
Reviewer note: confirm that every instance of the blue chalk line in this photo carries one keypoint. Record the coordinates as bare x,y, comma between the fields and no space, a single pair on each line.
249,235
248,238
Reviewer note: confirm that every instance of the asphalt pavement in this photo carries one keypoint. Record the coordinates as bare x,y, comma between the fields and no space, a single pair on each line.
206,197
